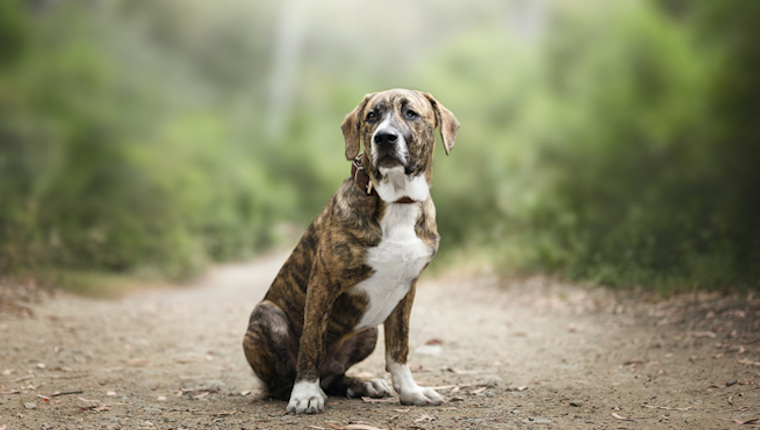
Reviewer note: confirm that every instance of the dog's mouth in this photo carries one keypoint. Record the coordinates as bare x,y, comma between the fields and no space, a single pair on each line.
388,160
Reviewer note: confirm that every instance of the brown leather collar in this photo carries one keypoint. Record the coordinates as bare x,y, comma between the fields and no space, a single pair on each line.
361,178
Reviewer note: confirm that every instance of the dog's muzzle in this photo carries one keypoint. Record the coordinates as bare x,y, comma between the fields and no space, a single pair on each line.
389,147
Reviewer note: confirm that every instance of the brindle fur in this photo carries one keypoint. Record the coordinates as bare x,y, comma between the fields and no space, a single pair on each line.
304,328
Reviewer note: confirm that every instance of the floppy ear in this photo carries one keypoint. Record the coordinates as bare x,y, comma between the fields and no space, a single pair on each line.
350,128
447,122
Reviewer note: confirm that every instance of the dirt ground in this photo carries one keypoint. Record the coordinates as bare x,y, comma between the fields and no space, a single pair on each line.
520,354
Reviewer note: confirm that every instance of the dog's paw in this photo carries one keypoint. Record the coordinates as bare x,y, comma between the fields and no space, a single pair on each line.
420,396
306,398
372,388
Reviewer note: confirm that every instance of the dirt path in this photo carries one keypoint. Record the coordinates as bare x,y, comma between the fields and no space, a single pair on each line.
528,355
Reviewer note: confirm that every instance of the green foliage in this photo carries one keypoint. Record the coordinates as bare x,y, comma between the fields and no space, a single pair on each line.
616,143
613,164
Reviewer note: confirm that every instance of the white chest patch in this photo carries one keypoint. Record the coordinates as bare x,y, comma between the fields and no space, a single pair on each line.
397,261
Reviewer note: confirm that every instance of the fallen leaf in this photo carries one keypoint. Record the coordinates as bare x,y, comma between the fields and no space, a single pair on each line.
666,408
738,421
361,427
88,401
376,400
522,388
201,395
424,418
709,334
620,417
478,390
445,387
632,362
462,372
434,342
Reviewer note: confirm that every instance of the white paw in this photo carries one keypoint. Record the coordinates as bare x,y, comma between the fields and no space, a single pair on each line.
306,398
420,396
372,388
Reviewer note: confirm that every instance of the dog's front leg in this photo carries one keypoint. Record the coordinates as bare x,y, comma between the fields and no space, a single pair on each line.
396,352
307,396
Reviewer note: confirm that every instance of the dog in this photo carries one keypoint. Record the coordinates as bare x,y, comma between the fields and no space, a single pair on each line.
357,264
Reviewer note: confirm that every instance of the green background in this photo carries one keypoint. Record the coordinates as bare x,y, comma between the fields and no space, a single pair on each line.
614,142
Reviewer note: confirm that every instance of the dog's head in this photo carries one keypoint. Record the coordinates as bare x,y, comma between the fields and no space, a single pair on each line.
397,127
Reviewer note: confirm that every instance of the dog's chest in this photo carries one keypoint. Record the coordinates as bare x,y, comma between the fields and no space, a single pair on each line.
397,261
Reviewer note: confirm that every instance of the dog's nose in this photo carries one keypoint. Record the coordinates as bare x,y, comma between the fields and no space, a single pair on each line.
386,138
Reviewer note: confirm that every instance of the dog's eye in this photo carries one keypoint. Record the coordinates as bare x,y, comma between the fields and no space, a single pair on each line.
410,114
371,117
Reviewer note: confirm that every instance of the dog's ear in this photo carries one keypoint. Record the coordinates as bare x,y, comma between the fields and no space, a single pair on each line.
447,122
350,128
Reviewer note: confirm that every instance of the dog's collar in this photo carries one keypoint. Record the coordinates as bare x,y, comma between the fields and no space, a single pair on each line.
361,178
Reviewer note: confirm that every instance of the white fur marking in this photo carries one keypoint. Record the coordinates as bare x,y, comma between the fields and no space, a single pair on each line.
307,397
397,185
397,261
409,393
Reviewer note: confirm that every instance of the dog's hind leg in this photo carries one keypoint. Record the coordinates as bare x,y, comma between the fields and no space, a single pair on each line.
351,351
271,348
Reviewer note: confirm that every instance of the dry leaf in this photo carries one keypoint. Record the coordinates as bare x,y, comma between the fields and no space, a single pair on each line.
201,395
738,421
88,401
434,342
376,400
478,390
709,334
424,418
360,427
620,417
666,408
462,372
445,387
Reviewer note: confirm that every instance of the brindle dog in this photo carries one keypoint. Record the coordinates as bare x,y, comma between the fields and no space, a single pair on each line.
357,264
